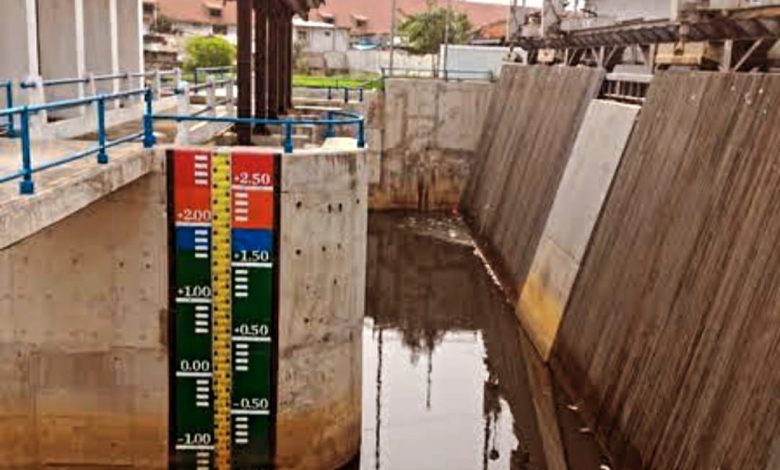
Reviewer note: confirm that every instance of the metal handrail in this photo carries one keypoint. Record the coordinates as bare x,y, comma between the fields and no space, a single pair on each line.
350,119
338,88
103,77
27,186
430,73
8,86
213,70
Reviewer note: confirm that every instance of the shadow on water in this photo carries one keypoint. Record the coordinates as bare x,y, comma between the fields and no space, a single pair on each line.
445,381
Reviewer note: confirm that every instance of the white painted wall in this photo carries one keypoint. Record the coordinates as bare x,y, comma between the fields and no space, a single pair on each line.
18,43
372,61
195,29
130,32
632,9
483,61
317,40
101,41
61,36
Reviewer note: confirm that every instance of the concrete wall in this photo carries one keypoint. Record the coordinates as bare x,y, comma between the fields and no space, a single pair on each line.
18,42
426,132
322,288
61,37
586,181
534,118
101,41
375,60
485,61
83,353
670,339
131,47
633,9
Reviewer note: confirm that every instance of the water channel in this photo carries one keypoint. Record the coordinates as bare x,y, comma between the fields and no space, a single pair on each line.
445,381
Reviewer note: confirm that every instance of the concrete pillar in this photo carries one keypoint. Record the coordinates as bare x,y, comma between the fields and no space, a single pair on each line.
101,41
61,36
19,44
131,38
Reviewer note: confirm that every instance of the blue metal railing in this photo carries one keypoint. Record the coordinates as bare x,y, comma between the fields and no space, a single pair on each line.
340,91
446,74
347,119
8,86
26,185
221,71
28,169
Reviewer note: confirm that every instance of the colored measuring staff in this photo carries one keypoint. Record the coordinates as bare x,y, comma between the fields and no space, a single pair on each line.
224,255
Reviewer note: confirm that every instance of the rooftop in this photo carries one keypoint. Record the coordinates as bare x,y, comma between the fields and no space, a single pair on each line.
359,16
375,17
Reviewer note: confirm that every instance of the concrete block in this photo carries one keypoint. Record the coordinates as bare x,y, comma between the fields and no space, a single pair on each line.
595,157
322,286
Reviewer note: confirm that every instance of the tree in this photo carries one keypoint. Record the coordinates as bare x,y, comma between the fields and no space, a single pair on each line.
425,32
209,51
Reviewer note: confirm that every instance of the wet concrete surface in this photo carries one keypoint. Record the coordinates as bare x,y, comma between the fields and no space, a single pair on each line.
445,373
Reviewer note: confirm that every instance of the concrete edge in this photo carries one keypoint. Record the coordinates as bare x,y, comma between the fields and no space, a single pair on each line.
26,216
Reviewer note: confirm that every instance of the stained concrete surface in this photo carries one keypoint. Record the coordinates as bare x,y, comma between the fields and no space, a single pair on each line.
426,133
446,382
597,151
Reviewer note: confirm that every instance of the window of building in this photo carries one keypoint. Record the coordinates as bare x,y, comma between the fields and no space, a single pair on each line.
215,12
327,34
149,8
303,36
327,17
220,29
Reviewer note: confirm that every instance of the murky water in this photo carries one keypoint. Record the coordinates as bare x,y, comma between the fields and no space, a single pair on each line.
445,381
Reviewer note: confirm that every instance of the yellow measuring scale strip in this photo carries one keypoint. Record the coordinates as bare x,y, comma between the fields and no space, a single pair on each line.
221,297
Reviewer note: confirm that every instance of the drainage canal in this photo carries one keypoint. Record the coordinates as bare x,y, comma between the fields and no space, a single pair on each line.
445,366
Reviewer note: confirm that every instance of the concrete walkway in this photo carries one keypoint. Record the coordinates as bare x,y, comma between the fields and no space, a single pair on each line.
63,190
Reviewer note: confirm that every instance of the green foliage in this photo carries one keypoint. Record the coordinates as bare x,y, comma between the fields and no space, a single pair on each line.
365,80
209,51
425,32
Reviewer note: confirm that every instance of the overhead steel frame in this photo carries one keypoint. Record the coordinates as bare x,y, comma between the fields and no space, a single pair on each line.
742,39
266,27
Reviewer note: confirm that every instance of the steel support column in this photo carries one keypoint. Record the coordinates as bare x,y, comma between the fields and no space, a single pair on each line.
261,58
274,20
244,69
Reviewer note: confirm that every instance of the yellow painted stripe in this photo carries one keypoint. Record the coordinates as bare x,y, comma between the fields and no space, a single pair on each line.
220,286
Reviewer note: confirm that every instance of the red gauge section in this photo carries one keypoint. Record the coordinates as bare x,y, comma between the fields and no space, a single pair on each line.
192,187
253,170
253,191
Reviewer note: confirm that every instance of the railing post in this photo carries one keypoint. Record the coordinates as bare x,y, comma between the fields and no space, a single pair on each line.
102,156
35,94
346,95
9,98
331,129
361,134
91,91
176,78
229,97
362,94
26,186
183,109
211,96
157,83
330,93
195,75
149,139
288,137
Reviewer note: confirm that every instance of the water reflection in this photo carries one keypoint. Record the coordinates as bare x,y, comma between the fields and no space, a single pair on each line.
445,385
